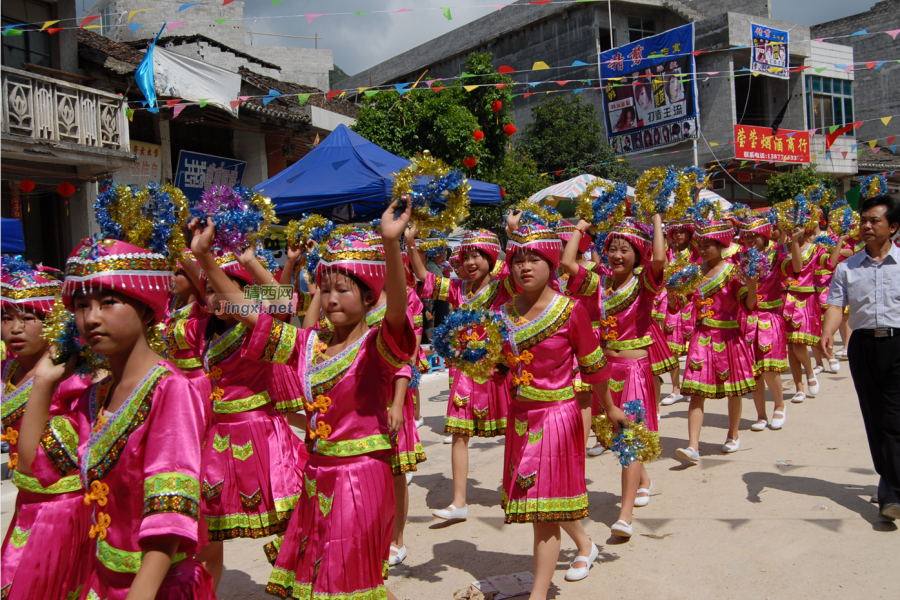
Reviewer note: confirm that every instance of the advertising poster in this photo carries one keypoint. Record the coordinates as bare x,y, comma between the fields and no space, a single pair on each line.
650,95
196,172
758,143
147,166
769,55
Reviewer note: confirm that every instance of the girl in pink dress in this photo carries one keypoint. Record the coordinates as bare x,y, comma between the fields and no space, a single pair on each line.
337,543
477,407
719,364
543,465
763,327
141,431
627,293
44,553
680,312
252,460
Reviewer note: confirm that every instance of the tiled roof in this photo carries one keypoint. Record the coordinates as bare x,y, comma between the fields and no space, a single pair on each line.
289,93
883,160
197,37
120,58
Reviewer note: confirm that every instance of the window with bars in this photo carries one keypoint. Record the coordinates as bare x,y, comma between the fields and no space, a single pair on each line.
829,102
640,27
106,21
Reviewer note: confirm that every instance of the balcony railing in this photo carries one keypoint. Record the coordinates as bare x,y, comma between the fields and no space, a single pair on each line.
52,110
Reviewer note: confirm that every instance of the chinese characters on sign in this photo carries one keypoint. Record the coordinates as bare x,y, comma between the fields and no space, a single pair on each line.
268,292
758,144
147,166
650,92
197,172
769,55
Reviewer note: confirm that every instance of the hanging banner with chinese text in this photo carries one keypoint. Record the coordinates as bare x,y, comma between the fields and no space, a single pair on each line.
650,95
197,172
770,51
758,144
148,162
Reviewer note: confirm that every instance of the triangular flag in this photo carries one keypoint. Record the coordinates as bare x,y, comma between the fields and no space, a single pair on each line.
580,63
579,90
879,65
500,86
371,93
221,21
845,155
539,2
203,102
88,20
134,12
9,29
401,88
276,2
144,72
361,12
871,64
872,144
53,30
876,149
891,139
894,150
893,33
134,27
860,32
330,95
129,113
178,110
235,103
316,141
48,24
272,95
714,143
820,69
311,18
227,2
153,110
534,84
540,66
171,103
528,94
833,128
886,120
302,98
470,88
813,131
362,89
438,88
465,75
562,83
743,162
187,6
176,25
506,69
446,12
849,68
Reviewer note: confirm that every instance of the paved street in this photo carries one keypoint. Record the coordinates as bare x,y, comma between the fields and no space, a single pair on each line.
738,526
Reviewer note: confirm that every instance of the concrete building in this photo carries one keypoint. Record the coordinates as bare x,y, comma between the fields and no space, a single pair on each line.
562,34
201,36
56,129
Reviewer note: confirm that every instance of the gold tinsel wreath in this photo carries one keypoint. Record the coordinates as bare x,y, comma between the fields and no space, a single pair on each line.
836,222
688,182
298,231
539,211
457,209
584,209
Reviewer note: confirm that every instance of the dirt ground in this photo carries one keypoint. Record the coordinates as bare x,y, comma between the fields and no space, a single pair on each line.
738,526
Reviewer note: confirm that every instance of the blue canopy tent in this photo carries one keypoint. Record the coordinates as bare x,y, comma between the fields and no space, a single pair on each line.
12,238
347,171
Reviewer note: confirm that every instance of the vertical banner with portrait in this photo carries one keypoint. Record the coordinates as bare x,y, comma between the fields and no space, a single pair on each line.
770,51
650,92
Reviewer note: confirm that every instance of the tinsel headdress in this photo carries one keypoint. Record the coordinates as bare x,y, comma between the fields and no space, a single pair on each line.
634,232
871,186
140,242
684,224
481,239
757,226
654,193
536,238
532,212
60,330
843,220
22,287
359,252
241,216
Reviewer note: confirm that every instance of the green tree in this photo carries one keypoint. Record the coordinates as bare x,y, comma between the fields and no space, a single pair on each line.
518,178
565,138
786,186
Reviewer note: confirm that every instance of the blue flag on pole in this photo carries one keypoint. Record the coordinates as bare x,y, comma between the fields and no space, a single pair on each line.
144,73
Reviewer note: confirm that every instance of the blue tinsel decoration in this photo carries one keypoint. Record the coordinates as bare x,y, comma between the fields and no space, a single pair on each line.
416,378
599,247
800,213
826,241
160,211
682,276
702,210
433,194
269,257
106,199
625,444
661,201
754,264
15,265
604,206
442,338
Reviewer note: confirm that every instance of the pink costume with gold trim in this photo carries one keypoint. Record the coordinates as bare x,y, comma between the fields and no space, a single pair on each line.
802,312
45,551
681,313
763,327
141,469
338,541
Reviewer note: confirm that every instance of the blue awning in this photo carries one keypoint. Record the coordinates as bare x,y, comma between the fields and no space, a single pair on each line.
12,238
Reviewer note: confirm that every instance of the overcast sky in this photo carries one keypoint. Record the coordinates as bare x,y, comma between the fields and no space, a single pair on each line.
364,41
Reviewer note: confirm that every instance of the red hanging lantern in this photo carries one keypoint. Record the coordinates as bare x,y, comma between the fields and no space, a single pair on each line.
502,193
509,129
478,135
470,161
26,186
496,106
65,189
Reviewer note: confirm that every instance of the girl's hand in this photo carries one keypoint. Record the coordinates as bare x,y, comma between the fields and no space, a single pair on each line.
617,417
512,220
844,239
294,253
584,225
203,236
395,418
797,234
393,227
247,256
50,374
411,232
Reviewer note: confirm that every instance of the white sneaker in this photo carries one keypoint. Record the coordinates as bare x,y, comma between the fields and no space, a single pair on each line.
798,398
409,477
688,454
778,422
577,574
596,450
420,422
729,449
448,439
643,500
671,399
813,388
622,529
399,558
451,512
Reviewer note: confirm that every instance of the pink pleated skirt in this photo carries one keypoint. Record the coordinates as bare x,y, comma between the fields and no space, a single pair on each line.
764,333
477,408
543,465
46,552
632,379
679,327
661,359
719,364
338,542
803,318
186,580
406,448
252,474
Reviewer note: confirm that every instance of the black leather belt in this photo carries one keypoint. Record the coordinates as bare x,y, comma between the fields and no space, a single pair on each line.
883,332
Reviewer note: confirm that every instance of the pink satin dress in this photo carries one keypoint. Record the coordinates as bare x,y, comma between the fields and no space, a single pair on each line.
802,312
763,327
